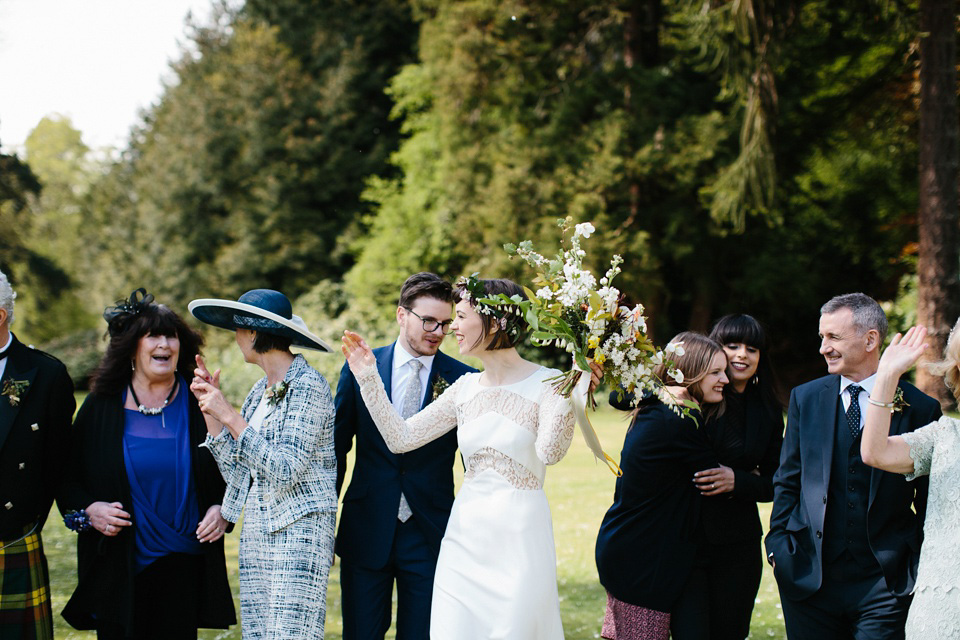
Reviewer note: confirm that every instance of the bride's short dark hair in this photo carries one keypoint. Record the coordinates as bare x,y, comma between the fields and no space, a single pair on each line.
501,339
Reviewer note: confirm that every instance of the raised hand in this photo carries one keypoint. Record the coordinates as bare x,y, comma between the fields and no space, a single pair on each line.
904,351
204,374
359,355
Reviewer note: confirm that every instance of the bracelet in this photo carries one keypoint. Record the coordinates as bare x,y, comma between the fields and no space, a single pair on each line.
884,405
77,520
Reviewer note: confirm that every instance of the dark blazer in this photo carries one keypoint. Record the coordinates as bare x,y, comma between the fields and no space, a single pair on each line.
801,485
105,565
651,535
733,517
33,438
368,519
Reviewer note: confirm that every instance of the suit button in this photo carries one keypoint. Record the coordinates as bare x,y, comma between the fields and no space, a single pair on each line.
8,506
35,427
819,534
824,499
852,470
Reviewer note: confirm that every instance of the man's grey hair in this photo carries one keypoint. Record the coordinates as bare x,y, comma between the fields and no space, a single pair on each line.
867,313
7,296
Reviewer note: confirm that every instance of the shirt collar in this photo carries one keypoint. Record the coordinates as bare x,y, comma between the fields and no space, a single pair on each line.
6,347
866,384
402,357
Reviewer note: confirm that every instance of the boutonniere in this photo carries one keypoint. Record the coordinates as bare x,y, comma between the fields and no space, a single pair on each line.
439,386
898,402
15,390
275,393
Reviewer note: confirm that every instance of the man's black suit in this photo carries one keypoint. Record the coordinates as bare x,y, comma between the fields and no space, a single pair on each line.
34,431
802,486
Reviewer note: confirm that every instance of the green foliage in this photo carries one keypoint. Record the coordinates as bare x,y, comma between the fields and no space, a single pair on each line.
81,352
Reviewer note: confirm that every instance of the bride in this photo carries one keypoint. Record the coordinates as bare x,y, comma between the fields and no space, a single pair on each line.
496,575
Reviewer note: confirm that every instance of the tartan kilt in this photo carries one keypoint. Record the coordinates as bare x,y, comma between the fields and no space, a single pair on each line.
25,608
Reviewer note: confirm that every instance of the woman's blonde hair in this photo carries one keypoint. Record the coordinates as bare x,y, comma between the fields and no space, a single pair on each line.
698,353
949,367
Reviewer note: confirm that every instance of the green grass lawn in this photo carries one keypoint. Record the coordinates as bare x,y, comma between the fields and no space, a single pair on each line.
579,490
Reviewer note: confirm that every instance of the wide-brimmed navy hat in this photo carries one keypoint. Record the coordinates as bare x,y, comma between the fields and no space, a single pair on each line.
263,310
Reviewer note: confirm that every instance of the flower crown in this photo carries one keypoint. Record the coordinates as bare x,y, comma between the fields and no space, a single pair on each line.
508,317
120,315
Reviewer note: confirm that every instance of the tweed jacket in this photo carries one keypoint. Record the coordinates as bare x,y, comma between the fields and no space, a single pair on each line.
34,436
291,455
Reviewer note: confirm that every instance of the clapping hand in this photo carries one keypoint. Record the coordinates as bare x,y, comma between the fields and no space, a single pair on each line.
904,351
204,374
359,355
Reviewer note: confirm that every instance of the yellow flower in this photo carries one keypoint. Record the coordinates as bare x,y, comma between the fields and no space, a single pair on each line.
599,358
593,342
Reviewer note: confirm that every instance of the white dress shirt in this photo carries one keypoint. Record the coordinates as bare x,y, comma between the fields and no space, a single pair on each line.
402,372
867,385
3,353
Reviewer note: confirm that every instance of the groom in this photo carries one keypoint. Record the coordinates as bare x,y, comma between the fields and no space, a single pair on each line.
843,541
397,505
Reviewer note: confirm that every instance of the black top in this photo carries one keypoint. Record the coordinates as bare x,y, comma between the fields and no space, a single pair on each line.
746,437
650,536
105,565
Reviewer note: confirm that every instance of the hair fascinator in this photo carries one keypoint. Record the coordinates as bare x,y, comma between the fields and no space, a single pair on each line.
118,317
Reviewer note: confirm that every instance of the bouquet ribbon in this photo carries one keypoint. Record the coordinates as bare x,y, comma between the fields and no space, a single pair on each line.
579,400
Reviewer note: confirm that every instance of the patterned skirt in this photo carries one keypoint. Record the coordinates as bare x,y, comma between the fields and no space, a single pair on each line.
622,621
25,610
283,575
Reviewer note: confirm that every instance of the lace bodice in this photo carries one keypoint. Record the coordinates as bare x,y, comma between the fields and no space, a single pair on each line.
935,450
514,430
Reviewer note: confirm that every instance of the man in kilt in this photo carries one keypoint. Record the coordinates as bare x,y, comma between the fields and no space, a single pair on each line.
36,407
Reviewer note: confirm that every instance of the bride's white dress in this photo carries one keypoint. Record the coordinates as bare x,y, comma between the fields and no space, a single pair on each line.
497,572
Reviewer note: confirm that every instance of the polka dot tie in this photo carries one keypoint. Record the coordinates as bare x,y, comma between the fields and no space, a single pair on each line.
853,411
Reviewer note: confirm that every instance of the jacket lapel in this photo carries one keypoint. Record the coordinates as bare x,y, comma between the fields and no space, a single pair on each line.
437,371
827,420
385,367
16,369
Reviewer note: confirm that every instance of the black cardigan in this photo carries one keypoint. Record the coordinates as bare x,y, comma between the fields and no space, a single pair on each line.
650,536
733,517
105,565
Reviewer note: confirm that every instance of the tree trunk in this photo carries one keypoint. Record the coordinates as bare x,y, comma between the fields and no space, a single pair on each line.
938,291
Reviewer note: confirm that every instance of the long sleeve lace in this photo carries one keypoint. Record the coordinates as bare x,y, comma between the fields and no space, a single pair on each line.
554,426
401,436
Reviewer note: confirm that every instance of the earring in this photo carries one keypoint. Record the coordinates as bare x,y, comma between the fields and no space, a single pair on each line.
756,378
133,367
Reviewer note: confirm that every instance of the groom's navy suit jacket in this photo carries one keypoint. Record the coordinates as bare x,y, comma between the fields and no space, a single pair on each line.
368,519
801,486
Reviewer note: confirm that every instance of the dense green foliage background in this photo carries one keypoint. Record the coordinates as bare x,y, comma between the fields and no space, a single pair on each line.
757,157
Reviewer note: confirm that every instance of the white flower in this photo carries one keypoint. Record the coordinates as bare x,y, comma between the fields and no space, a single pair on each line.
584,229
677,375
675,347
545,293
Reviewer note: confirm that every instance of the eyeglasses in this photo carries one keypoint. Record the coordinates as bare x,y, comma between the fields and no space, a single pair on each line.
431,325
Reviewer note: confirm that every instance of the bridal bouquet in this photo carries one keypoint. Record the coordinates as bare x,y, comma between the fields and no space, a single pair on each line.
574,310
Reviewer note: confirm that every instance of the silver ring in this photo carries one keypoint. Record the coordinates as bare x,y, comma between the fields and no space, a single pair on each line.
713,485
